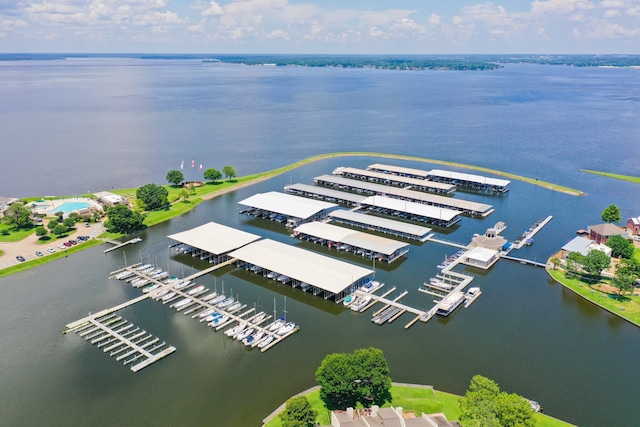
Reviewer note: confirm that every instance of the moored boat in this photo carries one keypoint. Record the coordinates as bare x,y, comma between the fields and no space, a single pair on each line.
242,335
265,342
168,296
225,303
195,290
182,303
360,303
150,288
348,300
288,327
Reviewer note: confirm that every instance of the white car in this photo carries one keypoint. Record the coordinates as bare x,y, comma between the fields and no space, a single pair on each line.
62,247
51,250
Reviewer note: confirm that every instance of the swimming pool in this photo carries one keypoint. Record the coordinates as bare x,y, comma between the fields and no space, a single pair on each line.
68,207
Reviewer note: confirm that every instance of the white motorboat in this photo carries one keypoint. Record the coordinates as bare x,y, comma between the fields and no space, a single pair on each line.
348,300
227,302
168,296
210,296
360,303
160,293
253,338
279,323
217,299
207,312
150,288
235,330
242,335
182,303
219,321
181,284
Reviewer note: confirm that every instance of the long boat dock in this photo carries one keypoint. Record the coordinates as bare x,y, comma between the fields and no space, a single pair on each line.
124,341
210,269
118,245
532,232
447,242
525,261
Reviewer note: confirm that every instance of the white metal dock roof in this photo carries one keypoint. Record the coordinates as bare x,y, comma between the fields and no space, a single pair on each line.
390,224
414,208
397,178
400,170
317,270
353,238
326,192
469,177
215,238
286,204
419,197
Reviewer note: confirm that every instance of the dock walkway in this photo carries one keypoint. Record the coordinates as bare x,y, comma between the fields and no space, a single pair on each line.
533,232
118,245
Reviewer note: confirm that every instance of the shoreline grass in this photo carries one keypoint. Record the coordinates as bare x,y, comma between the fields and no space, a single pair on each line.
421,399
627,309
628,178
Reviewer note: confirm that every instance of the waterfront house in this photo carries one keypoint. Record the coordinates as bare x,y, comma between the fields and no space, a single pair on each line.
600,233
5,202
109,199
387,417
583,246
633,225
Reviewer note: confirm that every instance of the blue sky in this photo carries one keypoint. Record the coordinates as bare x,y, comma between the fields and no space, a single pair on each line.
329,26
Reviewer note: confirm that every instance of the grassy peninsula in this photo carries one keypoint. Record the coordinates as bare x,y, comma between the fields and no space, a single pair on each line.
634,179
412,398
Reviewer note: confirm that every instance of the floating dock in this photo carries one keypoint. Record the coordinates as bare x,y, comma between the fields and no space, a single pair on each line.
123,340
118,245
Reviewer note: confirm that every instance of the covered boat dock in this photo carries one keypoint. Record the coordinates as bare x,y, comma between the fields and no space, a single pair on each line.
313,272
283,207
368,245
211,241
381,225
470,181
412,211
399,171
464,206
396,180
324,193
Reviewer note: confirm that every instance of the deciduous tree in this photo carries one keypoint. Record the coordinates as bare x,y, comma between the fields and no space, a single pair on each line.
175,177
153,196
620,247
41,231
121,219
212,174
595,262
18,215
298,413
229,172
611,214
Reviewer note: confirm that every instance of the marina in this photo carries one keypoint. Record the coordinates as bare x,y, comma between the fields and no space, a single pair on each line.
325,194
381,225
396,180
286,208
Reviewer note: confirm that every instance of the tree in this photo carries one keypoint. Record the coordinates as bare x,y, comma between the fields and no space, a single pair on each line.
212,174
485,405
349,379
59,230
18,215
595,262
153,196
611,214
555,261
52,224
298,413
175,177
626,275
41,231
69,222
620,247
229,172
121,219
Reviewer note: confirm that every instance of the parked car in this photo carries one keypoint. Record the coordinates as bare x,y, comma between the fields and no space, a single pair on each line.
20,258
86,224
73,242
38,253
51,250
62,246
67,244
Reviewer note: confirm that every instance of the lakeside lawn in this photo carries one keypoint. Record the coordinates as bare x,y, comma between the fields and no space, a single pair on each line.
418,399
15,235
628,307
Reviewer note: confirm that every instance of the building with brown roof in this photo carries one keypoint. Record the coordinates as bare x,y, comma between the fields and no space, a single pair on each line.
600,233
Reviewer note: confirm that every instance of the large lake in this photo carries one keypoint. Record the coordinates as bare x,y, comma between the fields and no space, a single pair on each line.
96,124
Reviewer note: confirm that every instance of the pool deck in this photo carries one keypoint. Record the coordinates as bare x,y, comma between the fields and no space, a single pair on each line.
49,207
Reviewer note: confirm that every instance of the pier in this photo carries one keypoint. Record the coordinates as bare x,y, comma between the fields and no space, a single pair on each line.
123,340
525,261
118,245
531,232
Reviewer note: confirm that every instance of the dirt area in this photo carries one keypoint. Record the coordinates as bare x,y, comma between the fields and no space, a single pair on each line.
29,246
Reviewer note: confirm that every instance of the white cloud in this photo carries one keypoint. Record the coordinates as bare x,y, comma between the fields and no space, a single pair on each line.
559,6
610,13
602,29
213,9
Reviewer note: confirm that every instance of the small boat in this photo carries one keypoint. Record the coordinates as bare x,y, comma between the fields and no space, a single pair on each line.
217,299
209,296
182,303
207,312
272,275
360,303
195,290
253,338
233,307
265,342
181,284
277,324
150,288
168,296
258,318
348,300
143,266
235,330
219,321
124,275
371,286
227,302
242,335
528,242
471,295
160,293
288,327
213,316
437,283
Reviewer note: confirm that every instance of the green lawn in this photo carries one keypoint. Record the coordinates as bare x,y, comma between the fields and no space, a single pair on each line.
15,235
628,308
48,258
633,179
420,400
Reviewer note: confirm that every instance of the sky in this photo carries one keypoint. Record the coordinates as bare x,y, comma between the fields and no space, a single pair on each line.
327,26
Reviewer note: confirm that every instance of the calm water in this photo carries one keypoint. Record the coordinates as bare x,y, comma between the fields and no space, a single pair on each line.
119,126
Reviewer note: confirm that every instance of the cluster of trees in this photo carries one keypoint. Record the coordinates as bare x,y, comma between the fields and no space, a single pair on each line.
484,405
176,177
298,413
121,219
18,215
347,379
153,197
590,265
628,268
